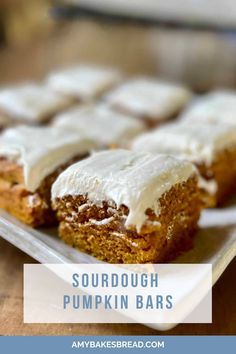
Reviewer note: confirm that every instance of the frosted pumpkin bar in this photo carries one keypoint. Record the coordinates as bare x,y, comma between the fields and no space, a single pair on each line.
212,147
128,207
152,100
30,160
102,124
31,103
84,82
216,106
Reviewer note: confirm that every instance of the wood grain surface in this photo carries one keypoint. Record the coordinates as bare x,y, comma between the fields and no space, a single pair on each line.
11,306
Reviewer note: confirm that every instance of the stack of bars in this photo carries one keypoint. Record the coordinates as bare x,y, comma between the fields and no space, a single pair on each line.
124,166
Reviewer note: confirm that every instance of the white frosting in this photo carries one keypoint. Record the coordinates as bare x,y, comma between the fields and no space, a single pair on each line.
40,150
149,98
196,142
101,123
217,106
84,82
137,180
31,102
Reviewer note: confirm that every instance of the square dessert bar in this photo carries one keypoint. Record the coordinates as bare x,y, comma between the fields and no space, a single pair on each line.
30,160
216,106
84,82
128,207
102,124
30,103
212,147
152,100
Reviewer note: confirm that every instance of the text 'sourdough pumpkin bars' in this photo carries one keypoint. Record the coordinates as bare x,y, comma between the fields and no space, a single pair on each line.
128,207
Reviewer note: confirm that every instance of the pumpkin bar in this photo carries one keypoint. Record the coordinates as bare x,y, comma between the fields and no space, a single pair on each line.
211,147
102,124
216,106
128,207
30,160
84,82
152,100
31,103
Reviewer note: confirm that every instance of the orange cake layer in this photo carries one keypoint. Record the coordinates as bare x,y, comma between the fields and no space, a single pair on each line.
100,231
127,207
223,172
33,208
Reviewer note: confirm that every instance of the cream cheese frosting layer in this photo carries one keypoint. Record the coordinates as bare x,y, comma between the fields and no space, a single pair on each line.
217,106
197,142
137,180
101,123
31,102
84,82
40,150
148,98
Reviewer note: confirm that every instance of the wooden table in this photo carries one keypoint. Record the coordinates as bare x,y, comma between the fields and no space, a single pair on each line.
11,306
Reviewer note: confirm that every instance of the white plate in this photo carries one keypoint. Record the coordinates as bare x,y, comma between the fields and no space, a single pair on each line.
187,11
215,243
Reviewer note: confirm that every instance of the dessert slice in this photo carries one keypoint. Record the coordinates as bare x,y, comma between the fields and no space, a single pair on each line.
128,207
105,126
212,147
216,106
30,160
152,100
31,103
84,82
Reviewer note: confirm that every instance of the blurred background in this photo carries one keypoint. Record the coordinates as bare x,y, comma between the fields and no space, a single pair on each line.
190,41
